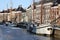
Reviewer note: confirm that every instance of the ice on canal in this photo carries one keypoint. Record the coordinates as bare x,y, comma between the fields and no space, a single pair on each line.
12,33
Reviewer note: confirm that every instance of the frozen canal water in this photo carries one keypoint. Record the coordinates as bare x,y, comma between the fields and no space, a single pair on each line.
12,33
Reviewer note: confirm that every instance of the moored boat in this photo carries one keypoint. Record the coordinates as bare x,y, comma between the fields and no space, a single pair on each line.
43,29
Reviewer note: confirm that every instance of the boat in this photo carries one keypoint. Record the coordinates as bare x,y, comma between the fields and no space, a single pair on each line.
43,29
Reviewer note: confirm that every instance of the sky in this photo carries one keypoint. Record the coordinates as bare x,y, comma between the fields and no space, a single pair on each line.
5,4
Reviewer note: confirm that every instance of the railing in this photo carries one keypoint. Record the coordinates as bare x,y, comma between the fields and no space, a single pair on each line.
54,21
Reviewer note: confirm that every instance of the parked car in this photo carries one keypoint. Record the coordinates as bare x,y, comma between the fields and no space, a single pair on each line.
22,24
10,24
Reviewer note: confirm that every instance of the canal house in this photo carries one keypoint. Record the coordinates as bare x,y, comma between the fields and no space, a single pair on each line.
15,15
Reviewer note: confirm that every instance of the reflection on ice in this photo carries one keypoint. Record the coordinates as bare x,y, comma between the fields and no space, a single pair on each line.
12,33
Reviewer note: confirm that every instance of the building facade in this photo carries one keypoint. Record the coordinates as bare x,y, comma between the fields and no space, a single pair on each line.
14,17
37,12
49,14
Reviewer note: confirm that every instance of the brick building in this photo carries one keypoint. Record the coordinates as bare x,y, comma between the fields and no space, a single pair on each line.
55,15
50,14
37,12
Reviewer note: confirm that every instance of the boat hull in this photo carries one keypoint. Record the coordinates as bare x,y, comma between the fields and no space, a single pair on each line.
43,30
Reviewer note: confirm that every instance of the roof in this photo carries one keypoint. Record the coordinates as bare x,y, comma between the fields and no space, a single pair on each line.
55,2
58,1
7,11
44,1
20,9
15,9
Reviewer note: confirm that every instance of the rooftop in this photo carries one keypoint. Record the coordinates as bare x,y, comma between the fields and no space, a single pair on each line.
15,9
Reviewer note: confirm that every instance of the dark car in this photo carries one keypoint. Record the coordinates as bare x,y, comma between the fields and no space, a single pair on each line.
22,24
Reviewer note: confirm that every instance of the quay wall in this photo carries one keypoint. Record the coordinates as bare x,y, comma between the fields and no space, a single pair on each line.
57,33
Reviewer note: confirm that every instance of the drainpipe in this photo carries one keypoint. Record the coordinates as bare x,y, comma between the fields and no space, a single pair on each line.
41,11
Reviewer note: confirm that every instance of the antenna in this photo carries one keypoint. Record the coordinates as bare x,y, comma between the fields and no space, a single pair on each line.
11,9
11,4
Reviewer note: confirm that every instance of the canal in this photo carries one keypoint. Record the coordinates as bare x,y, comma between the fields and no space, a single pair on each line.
13,33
